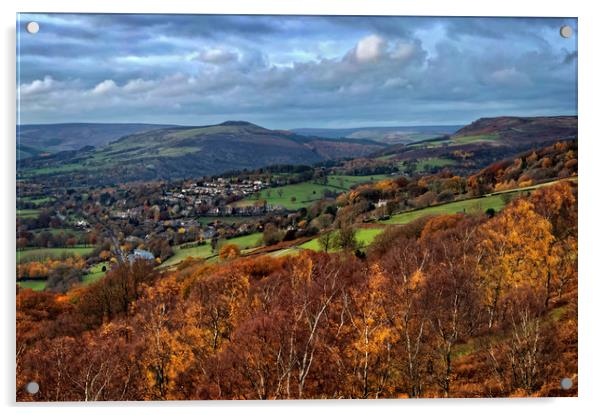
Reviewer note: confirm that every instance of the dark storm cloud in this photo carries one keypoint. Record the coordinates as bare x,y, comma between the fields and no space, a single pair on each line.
290,71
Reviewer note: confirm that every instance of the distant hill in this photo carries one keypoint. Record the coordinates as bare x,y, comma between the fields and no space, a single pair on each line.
183,152
519,130
387,135
481,143
34,139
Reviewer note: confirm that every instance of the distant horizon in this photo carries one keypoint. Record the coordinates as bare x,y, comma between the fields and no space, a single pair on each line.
289,128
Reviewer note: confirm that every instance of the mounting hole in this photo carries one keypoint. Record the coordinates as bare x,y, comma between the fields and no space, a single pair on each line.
32,28
566,383
32,387
566,31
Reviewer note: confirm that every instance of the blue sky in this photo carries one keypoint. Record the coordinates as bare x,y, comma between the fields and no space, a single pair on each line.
293,71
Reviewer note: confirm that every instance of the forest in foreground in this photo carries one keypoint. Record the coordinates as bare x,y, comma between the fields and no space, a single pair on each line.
461,305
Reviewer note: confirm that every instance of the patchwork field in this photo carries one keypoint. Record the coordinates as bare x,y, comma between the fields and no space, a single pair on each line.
38,201
27,213
31,254
37,285
96,273
204,251
496,202
205,220
364,237
296,196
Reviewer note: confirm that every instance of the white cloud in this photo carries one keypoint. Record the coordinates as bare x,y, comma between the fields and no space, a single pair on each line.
138,86
403,51
370,48
218,56
38,86
104,87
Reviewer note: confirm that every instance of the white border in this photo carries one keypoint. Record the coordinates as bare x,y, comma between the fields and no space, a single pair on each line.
590,124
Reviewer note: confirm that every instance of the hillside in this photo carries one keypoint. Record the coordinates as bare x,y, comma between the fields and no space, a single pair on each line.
180,152
33,139
483,142
518,130
387,135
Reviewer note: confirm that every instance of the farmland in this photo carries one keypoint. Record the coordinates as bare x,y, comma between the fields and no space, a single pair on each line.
204,251
27,213
96,273
30,254
36,285
363,236
495,202
296,196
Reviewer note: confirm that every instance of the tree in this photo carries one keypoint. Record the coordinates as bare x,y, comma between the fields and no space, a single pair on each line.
326,240
371,335
345,238
271,234
214,242
515,249
229,251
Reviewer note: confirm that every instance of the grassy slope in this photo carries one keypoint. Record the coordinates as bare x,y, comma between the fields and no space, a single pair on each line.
475,138
308,192
96,273
58,231
34,285
205,220
204,251
37,200
31,253
27,213
495,202
364,237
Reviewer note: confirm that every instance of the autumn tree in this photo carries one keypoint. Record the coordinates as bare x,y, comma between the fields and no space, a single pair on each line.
229,251
515,249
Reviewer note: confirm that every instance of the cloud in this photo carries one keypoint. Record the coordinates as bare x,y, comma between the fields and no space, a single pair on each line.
104,87
370,48
218,56
139,86
403,51
510,77
37,86
290,71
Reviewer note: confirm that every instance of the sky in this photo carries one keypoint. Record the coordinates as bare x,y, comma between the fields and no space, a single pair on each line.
292,71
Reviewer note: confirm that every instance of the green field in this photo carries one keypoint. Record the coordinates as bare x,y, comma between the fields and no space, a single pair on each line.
29,254
204,251
364,236
231,220
308,192
426,164
58,231
36,200
475,138
34,285
27,213
455,141
96,273
423,164
495,202
64,168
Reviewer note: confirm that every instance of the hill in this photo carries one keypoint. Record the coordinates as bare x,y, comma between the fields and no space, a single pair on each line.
483,142
34,139
388,135
183,152
518,130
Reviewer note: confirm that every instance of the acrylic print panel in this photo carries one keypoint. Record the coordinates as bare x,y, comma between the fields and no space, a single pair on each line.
295,207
